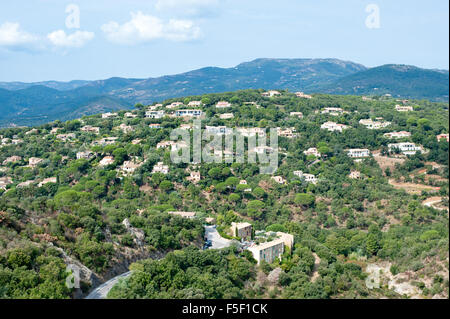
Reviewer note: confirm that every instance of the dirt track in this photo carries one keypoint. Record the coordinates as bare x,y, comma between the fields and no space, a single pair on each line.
412,188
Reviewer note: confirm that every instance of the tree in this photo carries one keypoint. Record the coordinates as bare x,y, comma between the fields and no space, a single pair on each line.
234,197
130,189
259,192
232,181
304,199
120,154
166,185
372,245
215,173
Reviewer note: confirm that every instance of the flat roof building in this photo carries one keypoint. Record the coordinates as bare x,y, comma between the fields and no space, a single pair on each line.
241,230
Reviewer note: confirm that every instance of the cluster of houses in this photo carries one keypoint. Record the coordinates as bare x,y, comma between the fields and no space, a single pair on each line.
4,141
154,112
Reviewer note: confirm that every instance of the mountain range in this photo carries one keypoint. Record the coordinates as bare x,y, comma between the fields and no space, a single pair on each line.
41,102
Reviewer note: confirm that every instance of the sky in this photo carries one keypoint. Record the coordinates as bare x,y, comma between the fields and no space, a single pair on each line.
63,40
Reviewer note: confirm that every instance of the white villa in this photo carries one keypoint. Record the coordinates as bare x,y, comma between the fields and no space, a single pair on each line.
34,161
271,93
252,131
106,141
85,155
160,168
126,128
309,178
400,134
154,114
303,95
164,144
194,177
223,104
358,152
108,115
354,175
226,116
128,167
373,125
90,129
332,126
195,103
218,130
296,114
183,214
107,160
333,111
312,151
401,108
12,159
5,181
65,137
407,148
287,132
47,180
195,113
279,179
130,115
262,150
174,105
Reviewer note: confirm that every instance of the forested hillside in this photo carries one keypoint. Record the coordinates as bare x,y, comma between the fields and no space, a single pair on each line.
97,192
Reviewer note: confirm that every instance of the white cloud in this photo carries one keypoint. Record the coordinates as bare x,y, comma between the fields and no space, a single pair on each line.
144,28
77,39
11,36
188,7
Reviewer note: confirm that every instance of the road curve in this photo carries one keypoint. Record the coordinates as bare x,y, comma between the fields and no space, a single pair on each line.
102,291
218,241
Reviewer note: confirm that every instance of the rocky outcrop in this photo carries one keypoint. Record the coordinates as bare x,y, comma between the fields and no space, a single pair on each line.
86,275
138,234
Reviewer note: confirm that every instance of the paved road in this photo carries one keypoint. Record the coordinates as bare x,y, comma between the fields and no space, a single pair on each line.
211,233
217,240
102,291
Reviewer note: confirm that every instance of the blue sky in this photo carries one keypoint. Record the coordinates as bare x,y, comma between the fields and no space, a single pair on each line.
147,38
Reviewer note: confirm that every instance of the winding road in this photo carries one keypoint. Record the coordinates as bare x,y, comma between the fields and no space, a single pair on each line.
102,291
211,233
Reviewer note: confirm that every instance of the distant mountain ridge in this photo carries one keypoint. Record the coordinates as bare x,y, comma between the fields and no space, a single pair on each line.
36,103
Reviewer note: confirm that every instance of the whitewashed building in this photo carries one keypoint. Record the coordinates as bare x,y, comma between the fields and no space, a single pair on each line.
333,127
401,134
187,112
154,114
407,148
358,152
223,104
160,168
